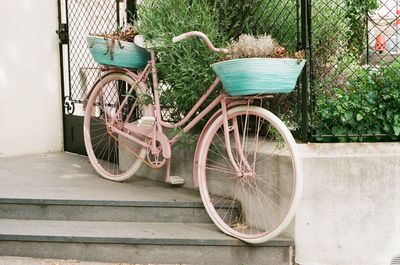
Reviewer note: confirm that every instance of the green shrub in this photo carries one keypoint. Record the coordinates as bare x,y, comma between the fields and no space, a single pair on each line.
233,15
355,13
330,34
369,105
339,52
277,18
183,67
273,17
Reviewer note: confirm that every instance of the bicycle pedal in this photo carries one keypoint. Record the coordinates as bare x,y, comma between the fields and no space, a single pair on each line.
176,180
146,121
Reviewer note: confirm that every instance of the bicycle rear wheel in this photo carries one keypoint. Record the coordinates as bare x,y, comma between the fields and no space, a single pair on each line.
257,202
114,157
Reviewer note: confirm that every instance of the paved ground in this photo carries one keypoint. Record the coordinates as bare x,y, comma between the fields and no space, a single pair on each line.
31,261
58,176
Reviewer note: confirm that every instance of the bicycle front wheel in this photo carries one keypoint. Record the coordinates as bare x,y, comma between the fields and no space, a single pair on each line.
114,157
256,202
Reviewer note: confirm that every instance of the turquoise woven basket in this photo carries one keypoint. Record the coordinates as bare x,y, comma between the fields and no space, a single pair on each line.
254,76
130,56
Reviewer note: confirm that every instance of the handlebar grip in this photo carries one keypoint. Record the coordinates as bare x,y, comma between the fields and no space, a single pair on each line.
179,38
200,35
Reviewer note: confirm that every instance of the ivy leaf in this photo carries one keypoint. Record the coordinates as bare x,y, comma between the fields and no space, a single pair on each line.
348,115
396,130
359,117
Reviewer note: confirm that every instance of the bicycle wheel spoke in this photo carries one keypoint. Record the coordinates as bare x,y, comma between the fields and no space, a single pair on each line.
111,154
221,169
231,207
223,145
255,145
263,192
264,217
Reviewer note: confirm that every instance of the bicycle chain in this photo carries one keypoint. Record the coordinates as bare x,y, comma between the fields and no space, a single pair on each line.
132,151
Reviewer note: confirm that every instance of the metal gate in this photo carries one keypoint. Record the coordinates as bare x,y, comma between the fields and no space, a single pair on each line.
77,19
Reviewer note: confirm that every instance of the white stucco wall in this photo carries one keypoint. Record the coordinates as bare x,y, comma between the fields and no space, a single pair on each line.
350,212
30,93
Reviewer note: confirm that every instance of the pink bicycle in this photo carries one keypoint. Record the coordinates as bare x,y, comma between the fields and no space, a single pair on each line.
246,163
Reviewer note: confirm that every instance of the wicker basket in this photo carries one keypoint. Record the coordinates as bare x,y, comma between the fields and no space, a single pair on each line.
254,76
129,56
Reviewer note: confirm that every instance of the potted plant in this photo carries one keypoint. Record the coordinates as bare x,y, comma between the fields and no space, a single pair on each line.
258,65
118,49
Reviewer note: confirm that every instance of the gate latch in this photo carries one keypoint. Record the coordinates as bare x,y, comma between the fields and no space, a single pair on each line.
63,33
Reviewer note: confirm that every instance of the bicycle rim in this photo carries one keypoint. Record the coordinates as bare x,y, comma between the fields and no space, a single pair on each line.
114,157
258,202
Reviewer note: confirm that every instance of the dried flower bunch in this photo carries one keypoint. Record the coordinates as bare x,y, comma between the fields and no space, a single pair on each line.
263,46
127,33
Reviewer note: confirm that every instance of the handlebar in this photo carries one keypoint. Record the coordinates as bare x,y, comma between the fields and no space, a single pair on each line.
200,35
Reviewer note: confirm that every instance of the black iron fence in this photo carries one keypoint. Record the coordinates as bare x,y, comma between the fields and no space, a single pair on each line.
350,90
354,70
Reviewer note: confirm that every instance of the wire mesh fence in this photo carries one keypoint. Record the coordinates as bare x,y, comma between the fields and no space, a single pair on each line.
350,90
85,17
355,70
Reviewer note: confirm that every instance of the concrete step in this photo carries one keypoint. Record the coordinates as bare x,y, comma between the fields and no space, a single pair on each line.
135,242
8,260
117,211
56,206
62,186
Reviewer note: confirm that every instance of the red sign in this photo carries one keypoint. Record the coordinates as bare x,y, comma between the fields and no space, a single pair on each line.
398,19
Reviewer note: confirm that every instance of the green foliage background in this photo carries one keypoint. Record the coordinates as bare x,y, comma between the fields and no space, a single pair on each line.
184,67
370,104
350,99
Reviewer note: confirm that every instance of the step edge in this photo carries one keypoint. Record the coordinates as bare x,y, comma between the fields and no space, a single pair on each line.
143,241
67,202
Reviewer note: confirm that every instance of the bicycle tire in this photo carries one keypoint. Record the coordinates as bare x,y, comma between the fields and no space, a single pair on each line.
228,197
112,156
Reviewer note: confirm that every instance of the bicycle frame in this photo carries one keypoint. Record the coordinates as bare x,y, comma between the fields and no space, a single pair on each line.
135,133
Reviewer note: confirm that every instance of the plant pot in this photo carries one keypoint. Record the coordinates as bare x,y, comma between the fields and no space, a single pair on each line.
254,76
128,55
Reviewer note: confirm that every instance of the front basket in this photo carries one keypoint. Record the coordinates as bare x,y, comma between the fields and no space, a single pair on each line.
254,76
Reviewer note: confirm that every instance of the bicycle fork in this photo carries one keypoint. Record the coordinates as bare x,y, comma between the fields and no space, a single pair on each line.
243,169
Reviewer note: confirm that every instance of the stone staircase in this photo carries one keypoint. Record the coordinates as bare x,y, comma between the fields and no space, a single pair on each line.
54,206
